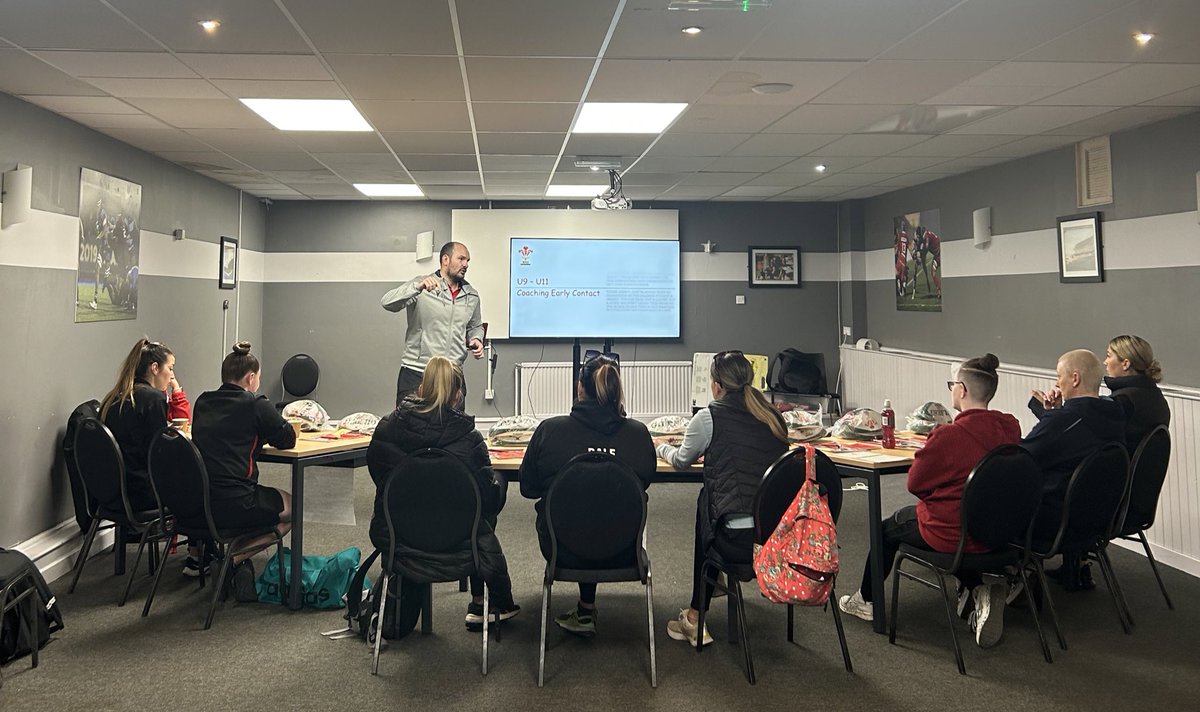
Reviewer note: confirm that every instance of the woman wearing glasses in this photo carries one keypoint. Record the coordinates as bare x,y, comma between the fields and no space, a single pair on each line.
938,477
597,422
740,434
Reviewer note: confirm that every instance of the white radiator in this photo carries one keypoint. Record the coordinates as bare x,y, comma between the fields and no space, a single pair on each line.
909,379
652,388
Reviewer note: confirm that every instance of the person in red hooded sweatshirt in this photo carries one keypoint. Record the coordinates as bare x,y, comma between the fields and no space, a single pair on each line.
937,477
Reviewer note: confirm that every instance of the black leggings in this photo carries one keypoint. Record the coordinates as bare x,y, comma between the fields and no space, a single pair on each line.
733,546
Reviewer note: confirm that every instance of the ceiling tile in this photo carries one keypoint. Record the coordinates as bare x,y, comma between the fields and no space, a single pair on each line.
964,164
644,192
991,95
279,89
202,160
1107,39
833,118
850,180
808,193
656,79
860,193
673,164
1030,145
202,113
41,25
1026,120
900,81
416,115
245,26
1121,120
1043,74
729,180
158,88
951,145
363,175
832,163
157,139
748,164
608,144
429,142
692,192
808,79
521,144
452,192
359,161
118,121
283,193
1132,85
755,191
541,28
517,163
439,162
253,140
871,144
898,164
911,179
371,26
24,74
289,67
527,79
315,175
718,118
336,141
816,29
637,178
399,78
786,180
292,161
696,144
82,104
783,144
529,116
446,177
1189,97
646,32
326,190
515,191
144,65
500,178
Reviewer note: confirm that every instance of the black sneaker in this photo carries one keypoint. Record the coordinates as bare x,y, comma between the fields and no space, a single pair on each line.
241,583
474,618
193,568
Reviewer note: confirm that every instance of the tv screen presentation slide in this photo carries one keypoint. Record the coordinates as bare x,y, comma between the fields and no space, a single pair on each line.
566,287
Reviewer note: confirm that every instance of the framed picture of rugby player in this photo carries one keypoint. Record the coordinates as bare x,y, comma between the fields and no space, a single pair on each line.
106,283
228,267
1080,252
918,252
774,267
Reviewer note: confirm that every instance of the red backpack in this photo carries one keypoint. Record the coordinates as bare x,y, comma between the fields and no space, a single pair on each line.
799,561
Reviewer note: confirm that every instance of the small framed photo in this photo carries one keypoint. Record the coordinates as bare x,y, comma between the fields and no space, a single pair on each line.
774,267
227,271
1080,250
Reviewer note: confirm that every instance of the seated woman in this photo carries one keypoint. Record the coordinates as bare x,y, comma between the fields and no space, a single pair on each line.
739,434
230,426
937,477
597,422
432,417
1133,377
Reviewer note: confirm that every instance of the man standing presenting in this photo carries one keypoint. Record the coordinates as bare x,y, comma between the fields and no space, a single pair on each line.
443,317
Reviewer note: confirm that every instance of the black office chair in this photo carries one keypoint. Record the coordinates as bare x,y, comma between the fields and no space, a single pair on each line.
17,586
432,505
1092,503
596,512
106,491
182,488
780,484
999,502
1149,468
299,377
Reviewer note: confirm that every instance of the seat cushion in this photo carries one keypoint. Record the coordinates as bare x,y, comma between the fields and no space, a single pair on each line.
990,561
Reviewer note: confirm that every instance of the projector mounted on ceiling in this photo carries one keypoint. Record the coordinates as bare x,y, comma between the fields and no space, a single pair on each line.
613,198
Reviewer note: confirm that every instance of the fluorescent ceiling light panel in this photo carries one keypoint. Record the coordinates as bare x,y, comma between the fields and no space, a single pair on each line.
309,114
575,191
390,190
626,118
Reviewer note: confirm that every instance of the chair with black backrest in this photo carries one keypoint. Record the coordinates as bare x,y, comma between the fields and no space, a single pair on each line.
596,511
432,505
1092,503
17,586
999,503
182,487
102,474
299,377
779,487
1149,467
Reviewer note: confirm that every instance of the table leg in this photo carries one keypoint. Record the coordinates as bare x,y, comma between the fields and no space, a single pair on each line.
875,514
295,595
119,551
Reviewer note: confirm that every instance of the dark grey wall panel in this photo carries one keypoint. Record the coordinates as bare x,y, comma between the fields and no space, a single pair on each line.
254,223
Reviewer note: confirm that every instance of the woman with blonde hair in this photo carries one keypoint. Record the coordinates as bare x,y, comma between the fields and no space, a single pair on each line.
1133,375
739,434
432,417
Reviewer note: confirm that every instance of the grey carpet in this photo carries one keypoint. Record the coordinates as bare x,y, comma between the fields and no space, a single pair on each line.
262,657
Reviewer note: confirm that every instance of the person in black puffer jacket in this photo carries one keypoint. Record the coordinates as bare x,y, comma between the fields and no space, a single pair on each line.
597,423
1133,375
739,435
432,418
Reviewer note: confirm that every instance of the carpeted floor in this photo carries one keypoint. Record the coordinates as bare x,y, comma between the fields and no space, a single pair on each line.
263,657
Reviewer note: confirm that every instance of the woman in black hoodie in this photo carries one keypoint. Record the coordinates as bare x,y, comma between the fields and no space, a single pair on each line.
597,423
432,418
1132,376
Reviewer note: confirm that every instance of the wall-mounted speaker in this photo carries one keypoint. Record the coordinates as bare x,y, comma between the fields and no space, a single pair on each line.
17,194
424,245
982,222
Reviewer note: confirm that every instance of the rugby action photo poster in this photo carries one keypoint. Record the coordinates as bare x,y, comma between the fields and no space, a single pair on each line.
106,284
918,249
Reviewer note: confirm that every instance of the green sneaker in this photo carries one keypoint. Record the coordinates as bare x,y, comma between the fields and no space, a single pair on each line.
577,622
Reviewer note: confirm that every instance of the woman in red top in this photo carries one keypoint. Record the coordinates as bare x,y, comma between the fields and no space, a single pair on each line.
937,477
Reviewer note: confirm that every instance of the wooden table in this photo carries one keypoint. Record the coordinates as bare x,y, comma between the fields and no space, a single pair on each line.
308,451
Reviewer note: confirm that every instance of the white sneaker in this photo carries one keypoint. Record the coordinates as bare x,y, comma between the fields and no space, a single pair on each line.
857,607
683,629
988,618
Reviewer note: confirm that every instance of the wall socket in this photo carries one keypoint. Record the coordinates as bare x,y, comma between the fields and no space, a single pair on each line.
489,394
739,299
847,332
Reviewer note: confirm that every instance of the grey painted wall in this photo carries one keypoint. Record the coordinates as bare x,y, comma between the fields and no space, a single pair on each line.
358,345
1032,319
53,364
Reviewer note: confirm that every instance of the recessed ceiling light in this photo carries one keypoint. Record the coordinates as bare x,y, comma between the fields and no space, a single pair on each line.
309,114
692,30
819,168
210,25
575,191
390,190
626,118
771,88
1143,38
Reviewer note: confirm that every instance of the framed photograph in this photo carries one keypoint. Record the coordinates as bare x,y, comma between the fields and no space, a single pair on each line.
227,271
106,282
1080,251
774,267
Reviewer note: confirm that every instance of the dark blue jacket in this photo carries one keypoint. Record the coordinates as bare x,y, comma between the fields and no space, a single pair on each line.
1064,436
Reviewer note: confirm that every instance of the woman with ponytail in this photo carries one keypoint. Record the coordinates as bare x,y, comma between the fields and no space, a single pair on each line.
740,434
433,417
1133,377
135,409
230,427
597,422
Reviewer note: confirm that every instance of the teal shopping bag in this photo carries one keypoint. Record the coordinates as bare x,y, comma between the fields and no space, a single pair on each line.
324,579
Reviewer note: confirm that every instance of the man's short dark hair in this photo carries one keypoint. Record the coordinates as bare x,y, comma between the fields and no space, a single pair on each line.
448,250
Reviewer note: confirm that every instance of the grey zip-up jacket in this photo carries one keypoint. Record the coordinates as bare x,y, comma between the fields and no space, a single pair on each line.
437,324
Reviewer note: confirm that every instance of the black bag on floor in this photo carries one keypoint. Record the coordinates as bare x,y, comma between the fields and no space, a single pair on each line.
359,607
14,642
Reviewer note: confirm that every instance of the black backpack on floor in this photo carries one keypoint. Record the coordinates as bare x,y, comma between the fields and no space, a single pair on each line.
359,607
14,642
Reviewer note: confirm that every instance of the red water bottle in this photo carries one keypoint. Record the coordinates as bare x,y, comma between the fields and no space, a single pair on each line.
889,425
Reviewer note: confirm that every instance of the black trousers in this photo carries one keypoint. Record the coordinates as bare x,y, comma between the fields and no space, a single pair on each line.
733,546
901,528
